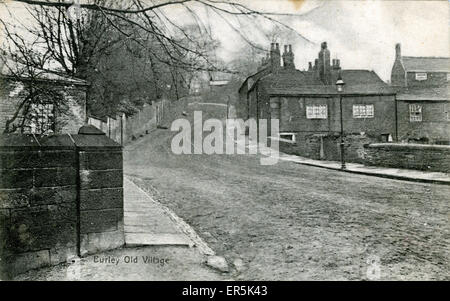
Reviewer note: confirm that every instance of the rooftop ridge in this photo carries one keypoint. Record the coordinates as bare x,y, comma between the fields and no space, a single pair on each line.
357,70
426,57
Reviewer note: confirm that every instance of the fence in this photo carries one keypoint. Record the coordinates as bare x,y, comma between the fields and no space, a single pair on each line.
122,128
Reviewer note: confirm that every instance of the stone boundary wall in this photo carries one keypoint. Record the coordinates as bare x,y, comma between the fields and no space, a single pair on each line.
410,156
327,146
60,196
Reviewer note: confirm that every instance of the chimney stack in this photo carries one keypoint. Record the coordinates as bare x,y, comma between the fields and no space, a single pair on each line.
288,58
310,66
275,56
324,67
336,64
398,51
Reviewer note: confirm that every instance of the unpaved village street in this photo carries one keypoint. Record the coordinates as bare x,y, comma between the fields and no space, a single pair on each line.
296,222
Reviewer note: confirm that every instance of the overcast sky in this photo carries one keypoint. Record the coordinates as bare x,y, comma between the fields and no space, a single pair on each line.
361,33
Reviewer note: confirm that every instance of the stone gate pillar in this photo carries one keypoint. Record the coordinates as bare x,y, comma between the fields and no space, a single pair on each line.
100,224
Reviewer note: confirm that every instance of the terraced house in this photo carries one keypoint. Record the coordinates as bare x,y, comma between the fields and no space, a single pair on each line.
312,112
423,104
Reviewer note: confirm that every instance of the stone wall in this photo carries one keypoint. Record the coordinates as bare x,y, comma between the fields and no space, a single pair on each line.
305,146
37,203
409,156
60,196
326,146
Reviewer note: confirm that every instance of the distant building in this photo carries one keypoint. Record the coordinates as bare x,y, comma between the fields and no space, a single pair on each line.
307,103
209,82
218,78
423,106
43,117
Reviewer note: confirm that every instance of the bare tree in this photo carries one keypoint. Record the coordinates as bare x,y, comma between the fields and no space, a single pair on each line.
39,100
118,47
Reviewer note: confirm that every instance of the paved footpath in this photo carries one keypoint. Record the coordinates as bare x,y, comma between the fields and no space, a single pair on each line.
378,171
385,172
147,222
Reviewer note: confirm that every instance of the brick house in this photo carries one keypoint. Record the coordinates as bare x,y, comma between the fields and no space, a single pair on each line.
44,117
423,104
307,105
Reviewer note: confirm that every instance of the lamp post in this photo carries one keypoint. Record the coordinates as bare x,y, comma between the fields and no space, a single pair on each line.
340,87
228,107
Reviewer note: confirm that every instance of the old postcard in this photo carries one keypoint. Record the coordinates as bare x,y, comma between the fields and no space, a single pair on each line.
231,140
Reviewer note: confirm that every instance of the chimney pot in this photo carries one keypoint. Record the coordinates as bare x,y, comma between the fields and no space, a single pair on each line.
275,56
288,58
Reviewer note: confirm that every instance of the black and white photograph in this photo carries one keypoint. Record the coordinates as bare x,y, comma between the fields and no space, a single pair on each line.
224,140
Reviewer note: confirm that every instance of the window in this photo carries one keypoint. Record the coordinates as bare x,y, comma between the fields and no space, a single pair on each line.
287,136
421,76
448,76
363,111
41,119
316,112
415,113
386,138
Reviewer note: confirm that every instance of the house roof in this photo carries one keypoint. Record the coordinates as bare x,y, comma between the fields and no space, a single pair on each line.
258,73
430,64
359,77
295,82
15,70
351,90
289,78
424,94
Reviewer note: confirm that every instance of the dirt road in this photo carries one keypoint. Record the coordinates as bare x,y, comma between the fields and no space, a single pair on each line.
294,222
